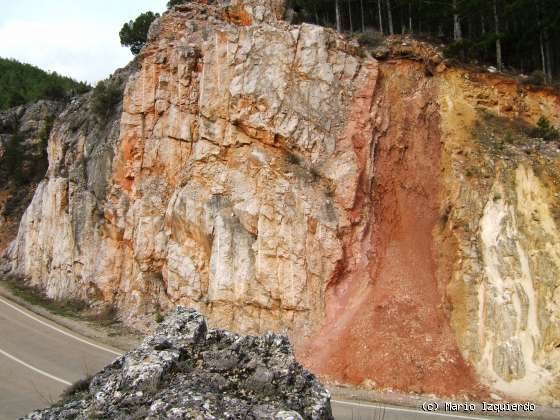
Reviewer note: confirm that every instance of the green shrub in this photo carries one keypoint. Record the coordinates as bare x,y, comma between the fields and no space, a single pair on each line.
370,39
81,385
106,95
172,3
471,49
458,49
159,317
546,130
536,78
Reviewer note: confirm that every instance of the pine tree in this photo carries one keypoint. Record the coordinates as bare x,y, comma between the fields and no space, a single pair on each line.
134,34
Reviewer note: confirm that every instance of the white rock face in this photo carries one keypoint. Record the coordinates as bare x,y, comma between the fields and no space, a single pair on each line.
218,195
520,247
501,229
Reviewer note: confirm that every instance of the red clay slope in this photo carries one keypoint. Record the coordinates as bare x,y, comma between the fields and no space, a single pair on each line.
386,323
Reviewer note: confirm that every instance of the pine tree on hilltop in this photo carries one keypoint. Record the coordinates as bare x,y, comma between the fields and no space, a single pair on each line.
134,34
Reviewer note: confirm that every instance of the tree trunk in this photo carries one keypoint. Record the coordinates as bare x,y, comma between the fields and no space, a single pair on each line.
419,18
410,17
543,55
337,11
380,16
544,44
482,25
362,12
350,17
548,57
499,64
457,35
390,14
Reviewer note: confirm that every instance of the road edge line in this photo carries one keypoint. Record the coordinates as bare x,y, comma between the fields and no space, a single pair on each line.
409,410
27,365
11,305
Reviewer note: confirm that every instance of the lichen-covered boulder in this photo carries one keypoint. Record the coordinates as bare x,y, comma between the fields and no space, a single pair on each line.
186,371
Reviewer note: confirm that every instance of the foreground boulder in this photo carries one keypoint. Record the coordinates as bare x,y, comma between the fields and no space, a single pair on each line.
186,371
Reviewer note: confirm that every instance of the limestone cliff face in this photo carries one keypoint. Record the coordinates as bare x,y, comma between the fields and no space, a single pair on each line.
502,197
397,226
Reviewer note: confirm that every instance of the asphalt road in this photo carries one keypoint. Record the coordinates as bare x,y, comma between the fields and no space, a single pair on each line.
39,359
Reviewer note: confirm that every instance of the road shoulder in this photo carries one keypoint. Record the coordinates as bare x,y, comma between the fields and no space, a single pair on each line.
413,401
124,340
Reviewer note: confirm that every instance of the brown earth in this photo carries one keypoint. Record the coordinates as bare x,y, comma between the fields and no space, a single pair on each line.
386,321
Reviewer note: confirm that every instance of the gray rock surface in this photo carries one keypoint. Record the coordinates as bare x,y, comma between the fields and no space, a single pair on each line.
24,132
30,124
187,371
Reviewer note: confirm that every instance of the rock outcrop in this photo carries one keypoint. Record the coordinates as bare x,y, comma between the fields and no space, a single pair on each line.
24,132
186,371
400,225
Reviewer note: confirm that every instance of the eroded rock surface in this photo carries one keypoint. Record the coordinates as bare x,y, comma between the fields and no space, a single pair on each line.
24,132
399,224
187,371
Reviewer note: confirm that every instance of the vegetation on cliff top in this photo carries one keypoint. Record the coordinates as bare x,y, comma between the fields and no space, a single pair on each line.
518,35
22,83
134,34
521,35
172,3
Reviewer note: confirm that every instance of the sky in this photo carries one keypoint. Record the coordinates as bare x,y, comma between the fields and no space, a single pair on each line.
76,38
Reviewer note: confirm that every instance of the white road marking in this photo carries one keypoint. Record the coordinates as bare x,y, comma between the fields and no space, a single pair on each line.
27,365
58,329
406,410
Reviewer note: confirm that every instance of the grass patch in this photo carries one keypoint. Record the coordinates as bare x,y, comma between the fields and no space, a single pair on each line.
501,135
106,317
70,308
159,317
34,296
